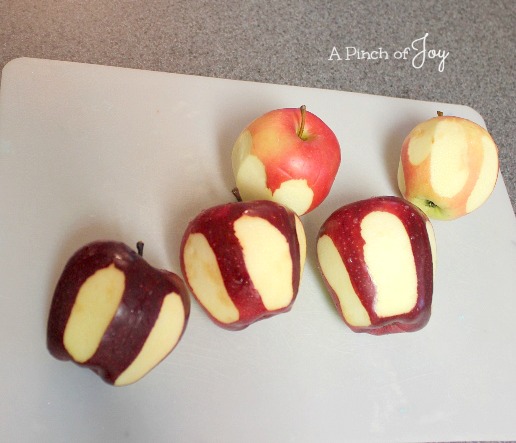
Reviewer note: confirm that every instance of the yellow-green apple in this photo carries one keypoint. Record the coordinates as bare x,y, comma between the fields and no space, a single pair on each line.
114,313
377,260
243,261
448,166
289,156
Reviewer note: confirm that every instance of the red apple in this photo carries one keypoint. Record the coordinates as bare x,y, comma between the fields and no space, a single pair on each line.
377,259
289,156
115,314
448,167
243,261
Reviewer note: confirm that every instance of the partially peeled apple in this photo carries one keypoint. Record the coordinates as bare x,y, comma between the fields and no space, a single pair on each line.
377,259
448,166
115,314
289,156
243,261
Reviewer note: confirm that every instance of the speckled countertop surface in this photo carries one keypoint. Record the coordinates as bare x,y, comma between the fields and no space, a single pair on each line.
290,42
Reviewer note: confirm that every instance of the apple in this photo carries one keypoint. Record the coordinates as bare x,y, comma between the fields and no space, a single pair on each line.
289,156
377,260
114,313
243,261
448,166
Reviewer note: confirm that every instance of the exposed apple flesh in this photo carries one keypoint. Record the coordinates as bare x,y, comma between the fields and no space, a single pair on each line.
115,314
448,167
377,260
243,261
289,156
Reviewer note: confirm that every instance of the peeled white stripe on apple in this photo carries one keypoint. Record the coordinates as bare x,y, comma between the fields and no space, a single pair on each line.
289,156
377,259
114,313
243,261
448,167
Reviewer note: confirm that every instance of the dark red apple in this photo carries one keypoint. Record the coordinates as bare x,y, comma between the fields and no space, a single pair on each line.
377,259
243,261
114,313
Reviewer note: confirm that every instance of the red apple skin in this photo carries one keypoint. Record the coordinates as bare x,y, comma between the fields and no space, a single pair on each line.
344,228
145,289
216,224
318,166
315,156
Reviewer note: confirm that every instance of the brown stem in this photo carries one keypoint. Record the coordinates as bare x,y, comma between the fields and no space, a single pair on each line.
302,126
440,113
139,248
236,193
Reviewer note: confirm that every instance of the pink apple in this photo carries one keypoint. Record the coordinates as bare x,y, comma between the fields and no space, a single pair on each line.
243,261
289,156
377,259
448,167
115,314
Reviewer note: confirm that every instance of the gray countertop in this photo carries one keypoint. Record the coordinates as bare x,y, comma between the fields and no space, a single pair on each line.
291,42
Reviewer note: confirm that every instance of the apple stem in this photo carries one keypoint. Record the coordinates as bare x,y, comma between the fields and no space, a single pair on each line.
440,113
236,193
139,248
302,126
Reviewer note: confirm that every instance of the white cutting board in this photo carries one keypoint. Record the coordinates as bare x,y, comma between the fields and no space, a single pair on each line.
90,152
